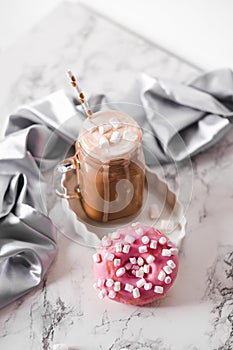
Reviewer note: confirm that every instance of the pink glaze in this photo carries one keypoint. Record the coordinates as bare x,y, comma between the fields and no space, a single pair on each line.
105,269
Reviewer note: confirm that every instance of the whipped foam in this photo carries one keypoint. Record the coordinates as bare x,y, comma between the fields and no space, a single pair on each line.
110,135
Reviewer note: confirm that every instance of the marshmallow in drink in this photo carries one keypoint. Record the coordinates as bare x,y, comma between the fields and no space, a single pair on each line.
115,137
104,128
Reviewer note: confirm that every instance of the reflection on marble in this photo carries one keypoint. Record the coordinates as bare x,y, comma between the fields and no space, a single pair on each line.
196,314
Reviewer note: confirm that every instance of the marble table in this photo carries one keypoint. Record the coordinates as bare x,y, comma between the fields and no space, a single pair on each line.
197,314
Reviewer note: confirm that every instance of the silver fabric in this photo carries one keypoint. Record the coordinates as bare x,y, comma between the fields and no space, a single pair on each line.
199,113
178,120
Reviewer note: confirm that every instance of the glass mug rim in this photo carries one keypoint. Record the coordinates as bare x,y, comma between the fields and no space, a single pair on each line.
79,144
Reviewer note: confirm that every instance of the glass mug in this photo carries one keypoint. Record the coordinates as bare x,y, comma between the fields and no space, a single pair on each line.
108,168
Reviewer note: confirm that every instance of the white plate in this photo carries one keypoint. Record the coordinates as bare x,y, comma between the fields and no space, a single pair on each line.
85,231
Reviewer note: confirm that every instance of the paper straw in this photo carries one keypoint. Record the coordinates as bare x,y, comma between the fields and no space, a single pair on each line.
81,96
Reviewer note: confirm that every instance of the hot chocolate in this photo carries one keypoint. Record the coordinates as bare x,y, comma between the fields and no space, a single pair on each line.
109,166
111,175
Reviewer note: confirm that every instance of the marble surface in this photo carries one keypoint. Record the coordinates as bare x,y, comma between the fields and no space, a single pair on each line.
197,313
199,31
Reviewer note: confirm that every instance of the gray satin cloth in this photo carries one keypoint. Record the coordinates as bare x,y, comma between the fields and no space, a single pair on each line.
178,121
185,119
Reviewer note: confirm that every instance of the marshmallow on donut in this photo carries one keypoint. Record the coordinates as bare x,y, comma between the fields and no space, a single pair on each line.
137,266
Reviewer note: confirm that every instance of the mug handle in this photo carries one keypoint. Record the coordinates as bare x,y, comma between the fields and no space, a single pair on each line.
70,165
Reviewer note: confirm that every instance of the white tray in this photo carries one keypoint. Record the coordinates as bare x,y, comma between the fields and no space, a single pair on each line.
82,230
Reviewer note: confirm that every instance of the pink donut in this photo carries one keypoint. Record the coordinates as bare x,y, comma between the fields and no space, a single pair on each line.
135,265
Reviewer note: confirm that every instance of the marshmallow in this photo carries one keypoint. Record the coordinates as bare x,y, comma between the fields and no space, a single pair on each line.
115,235
115,123
133,260
96,257
146,268
117,286
153,244
145,239
106,242
139,231
104,128
129,239
142,249
139,273
171,264
154,211
162,240
158,289
129,287
161,275
116,262
150,259
118,247
115,137
174,251
100,282
112,294
109,256
128,266
126,248
168,280
103,142
130,136
140,261
148,286
140,283
109,282
135,224
96,136
136,293
102,294
167,269
166,252
120,272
